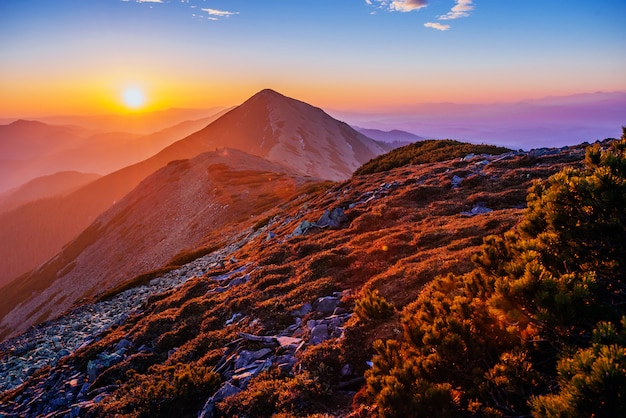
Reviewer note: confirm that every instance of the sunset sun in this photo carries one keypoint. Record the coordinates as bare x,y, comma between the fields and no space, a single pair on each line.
134,98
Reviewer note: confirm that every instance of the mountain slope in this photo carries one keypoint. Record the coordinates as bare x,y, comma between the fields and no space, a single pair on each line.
169,211
63,182
289,132
269,125
289,301
395,135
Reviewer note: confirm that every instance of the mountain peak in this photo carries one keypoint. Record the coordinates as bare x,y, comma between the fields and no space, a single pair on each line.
289,132
23,123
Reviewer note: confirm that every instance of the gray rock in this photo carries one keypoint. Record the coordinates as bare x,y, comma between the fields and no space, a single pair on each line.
303,310
326,304
225,391
123,344
332,219
479,209
319,333
304,227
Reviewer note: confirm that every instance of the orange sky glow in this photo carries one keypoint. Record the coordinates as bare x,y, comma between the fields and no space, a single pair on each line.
79,57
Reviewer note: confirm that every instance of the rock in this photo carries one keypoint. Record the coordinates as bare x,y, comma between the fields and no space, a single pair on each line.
479,209
332,219
233,318
319,333
239,280
327,304
289,342
123,344
304,227
225,391
339,311
303,310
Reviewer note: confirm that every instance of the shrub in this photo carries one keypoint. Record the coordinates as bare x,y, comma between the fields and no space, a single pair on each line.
532,328
373,306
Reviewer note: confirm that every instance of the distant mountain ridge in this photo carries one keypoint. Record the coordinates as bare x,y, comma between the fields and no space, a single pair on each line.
392,136
30,149
63,182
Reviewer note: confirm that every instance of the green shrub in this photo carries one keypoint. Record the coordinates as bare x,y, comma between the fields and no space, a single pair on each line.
373,306
535,328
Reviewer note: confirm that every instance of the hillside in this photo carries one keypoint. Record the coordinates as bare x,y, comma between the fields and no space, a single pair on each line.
282,316
270,125
167,212
60,183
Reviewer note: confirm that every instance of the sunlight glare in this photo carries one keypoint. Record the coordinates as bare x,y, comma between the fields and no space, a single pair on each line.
134,98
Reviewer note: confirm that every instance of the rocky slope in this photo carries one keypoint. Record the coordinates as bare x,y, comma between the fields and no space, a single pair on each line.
265,324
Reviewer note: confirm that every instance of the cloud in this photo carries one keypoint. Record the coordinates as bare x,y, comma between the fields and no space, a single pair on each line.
214,14
461,9
436,25
407,5
398,5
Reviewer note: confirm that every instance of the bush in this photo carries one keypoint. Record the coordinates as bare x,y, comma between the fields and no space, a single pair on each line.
535,328
373,306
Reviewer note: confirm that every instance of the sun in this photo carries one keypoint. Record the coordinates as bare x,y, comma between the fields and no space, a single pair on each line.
134,98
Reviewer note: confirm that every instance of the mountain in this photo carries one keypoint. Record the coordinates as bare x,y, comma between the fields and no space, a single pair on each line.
30,149
282,313
27,139
270,125
289,132
61,183
22,141
548,122
141,123
392,136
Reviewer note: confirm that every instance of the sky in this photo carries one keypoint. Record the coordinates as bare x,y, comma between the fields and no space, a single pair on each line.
116,56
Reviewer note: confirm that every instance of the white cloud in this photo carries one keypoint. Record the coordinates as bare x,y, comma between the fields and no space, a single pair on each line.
407,5
398,5
461,9
436,25
149,1
214,13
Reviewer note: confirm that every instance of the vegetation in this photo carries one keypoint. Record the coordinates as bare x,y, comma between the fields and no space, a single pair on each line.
533,325
539,326
373,306
422,152
177,389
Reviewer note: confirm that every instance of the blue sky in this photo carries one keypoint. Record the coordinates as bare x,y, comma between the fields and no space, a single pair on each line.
79,55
